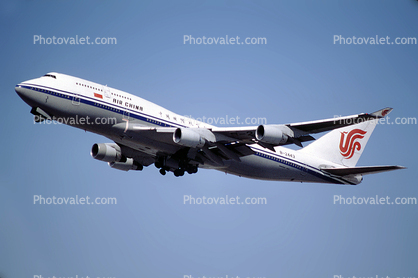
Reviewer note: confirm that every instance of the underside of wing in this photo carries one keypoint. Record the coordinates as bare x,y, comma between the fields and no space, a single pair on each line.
230,134
172,149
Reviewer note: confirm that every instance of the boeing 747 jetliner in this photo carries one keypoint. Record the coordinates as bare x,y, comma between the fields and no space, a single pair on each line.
145,133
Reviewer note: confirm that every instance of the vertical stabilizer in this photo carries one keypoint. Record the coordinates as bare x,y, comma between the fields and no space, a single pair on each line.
344,145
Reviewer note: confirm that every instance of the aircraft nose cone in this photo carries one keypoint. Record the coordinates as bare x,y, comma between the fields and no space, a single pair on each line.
19,90
24,94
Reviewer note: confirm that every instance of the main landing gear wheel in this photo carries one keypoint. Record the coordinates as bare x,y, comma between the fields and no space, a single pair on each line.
178,172
162,172
192,170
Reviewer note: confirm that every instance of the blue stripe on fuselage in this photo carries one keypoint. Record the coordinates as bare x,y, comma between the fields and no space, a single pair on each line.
91,101
295,164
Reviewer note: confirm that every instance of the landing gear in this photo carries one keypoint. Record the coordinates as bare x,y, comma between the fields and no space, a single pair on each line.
179,172
191,169
175,166
161,162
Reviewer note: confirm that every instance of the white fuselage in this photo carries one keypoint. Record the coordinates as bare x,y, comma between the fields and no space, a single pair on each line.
65,96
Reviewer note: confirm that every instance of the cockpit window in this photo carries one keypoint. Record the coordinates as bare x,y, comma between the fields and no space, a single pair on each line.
50,75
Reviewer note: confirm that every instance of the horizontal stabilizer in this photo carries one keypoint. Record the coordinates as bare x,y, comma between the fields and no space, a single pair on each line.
361,170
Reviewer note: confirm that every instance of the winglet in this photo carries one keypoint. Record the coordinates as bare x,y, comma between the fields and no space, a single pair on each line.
382,112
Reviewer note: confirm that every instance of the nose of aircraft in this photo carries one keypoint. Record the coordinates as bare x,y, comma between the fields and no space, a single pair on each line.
19,90
25,93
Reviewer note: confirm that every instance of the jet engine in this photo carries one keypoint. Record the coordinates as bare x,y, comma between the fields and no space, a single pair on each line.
271,134
108,152
356,179
189,138
129,164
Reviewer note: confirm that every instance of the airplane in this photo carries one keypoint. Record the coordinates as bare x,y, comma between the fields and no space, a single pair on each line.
144,133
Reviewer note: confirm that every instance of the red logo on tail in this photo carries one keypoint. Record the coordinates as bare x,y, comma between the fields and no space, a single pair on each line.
385,112
350,144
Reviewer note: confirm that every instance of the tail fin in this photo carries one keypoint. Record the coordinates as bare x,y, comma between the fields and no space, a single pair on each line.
344,145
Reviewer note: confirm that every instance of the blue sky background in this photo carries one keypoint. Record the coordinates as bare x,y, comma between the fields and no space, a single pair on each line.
299,75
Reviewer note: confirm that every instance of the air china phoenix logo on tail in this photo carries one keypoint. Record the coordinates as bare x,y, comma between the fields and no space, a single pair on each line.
349,142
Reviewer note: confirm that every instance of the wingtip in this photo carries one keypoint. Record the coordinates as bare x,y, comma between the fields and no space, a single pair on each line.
382,112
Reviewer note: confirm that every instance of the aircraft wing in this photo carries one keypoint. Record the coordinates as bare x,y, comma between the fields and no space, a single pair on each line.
219,144
296,133
215,150
334,123
228,134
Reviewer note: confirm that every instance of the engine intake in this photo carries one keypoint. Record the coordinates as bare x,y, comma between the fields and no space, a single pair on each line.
108,152
271,135
189,138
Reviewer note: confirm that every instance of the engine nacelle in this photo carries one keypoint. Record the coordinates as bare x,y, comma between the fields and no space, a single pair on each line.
189,138
108,152
271,134
129,164
356,179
